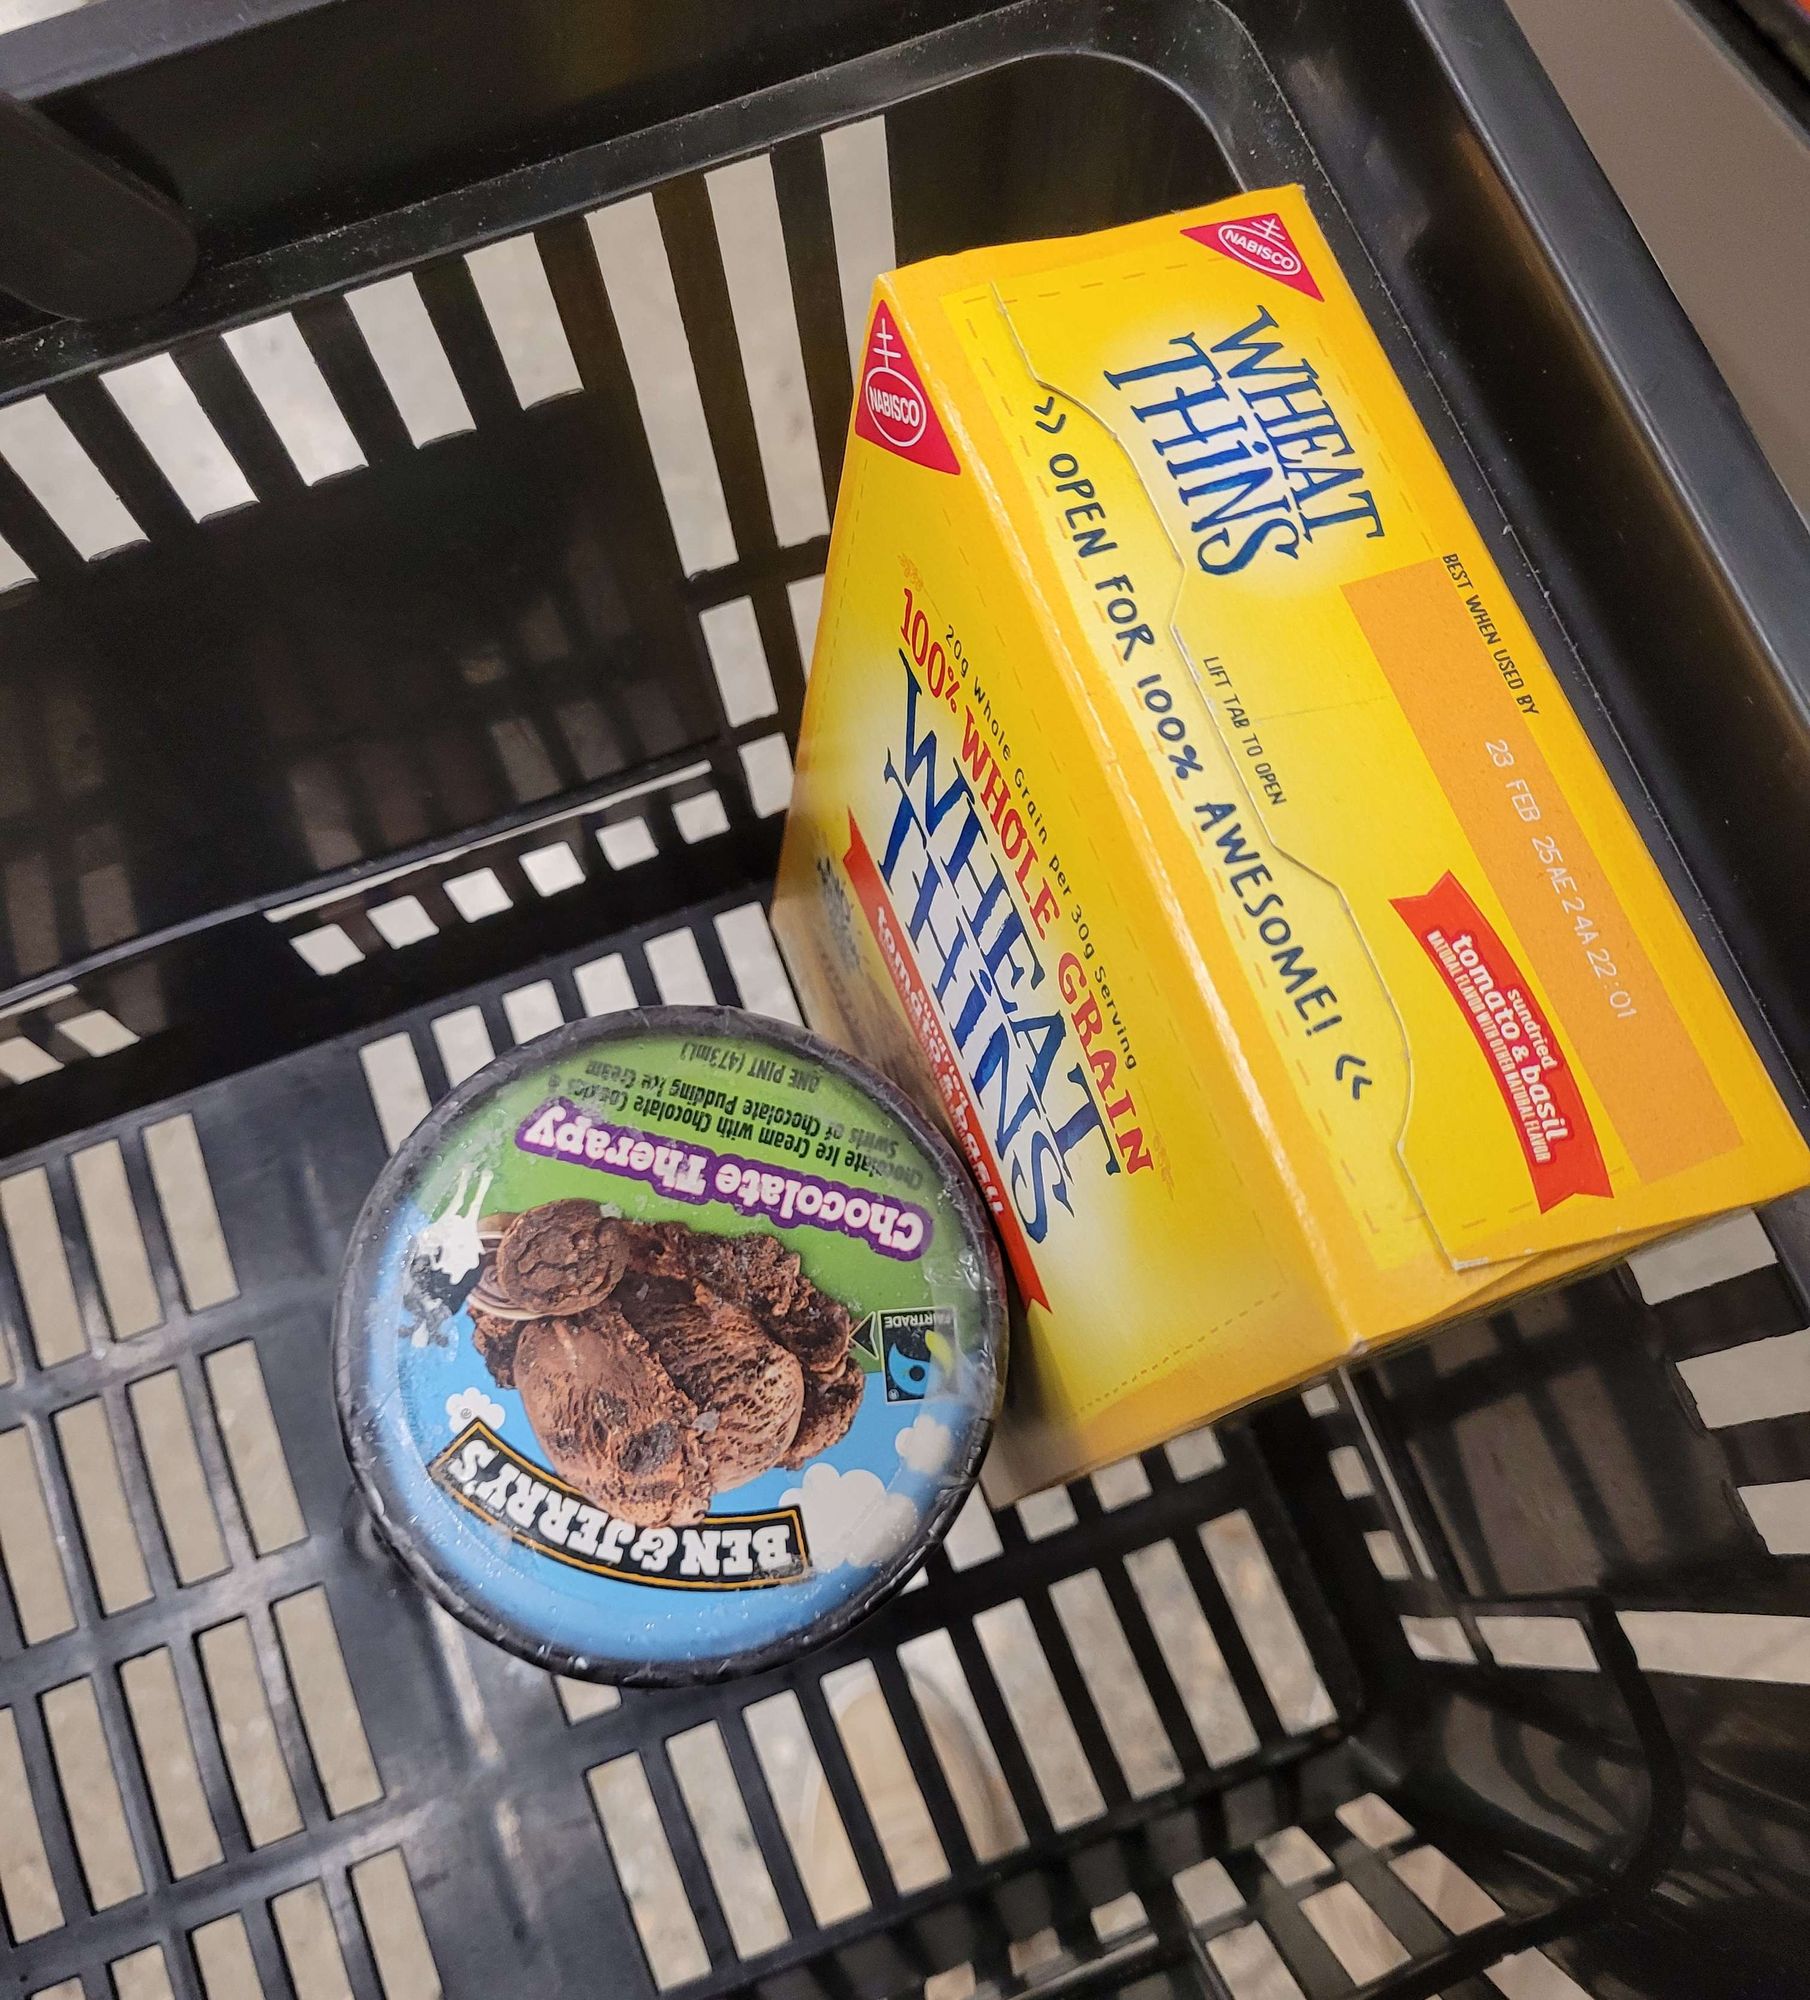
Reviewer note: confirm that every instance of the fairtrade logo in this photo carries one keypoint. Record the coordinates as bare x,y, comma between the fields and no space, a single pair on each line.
1260,243
916,1349
894,408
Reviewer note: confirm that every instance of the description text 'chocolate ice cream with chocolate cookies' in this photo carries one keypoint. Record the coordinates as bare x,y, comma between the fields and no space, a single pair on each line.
666,1346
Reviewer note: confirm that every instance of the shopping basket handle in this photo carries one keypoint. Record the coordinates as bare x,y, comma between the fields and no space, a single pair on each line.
80,237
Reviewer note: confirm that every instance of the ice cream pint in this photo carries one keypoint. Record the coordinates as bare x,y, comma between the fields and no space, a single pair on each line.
667,1345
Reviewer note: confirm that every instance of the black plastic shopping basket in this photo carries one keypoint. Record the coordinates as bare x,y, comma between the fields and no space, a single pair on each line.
404,622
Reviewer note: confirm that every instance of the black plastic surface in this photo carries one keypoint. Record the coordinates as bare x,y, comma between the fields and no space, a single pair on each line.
482,1776
241,741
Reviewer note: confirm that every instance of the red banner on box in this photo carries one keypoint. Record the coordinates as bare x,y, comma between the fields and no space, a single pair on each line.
1517,1039
952,1087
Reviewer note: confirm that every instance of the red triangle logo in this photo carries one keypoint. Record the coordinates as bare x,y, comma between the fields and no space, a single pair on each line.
1261,242
892,407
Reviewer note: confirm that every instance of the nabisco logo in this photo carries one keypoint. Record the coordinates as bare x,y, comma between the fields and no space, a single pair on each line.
893,408
898,410
1261,243
1264,242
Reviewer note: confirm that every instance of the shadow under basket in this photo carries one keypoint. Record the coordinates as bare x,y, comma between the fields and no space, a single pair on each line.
401,644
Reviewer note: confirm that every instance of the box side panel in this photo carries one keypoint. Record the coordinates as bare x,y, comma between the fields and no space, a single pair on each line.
963,901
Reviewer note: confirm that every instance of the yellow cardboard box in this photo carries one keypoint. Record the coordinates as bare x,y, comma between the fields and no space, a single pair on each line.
1185,812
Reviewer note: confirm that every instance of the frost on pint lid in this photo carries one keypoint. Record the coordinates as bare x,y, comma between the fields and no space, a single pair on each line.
667,1345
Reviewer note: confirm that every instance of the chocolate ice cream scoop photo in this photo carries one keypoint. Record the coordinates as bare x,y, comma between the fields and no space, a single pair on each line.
668,1345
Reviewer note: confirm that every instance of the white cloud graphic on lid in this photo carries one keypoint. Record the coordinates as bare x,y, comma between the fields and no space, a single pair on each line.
924,1444
465,1406
850,1517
